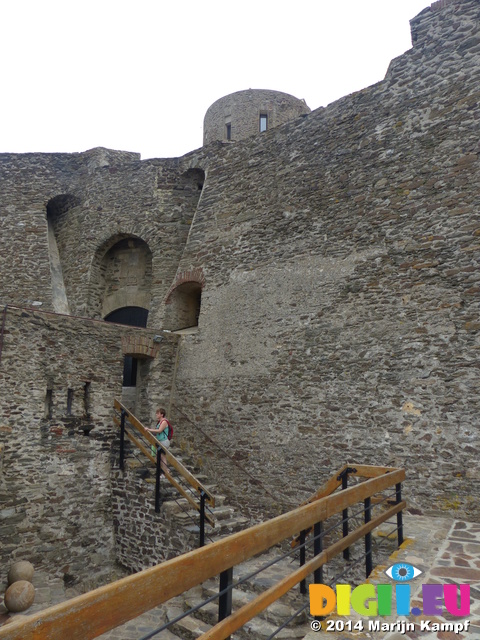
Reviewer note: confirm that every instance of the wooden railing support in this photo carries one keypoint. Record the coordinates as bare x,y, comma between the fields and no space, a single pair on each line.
90,615
240,617
145,442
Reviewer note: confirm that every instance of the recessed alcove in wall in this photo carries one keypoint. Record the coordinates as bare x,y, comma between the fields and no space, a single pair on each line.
58,225
127,275
184,304
192,180
120,276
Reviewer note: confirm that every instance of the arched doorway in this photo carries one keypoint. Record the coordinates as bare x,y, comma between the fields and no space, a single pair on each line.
133,317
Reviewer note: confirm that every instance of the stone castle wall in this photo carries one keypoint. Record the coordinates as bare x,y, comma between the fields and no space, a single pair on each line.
59,376
338,263
95,200
340,317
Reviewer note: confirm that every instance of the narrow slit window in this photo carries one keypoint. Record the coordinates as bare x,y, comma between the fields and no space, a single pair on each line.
263,122
49,404
228,130
69,402
86,399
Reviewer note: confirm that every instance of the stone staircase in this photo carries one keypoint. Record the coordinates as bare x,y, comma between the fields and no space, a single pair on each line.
262,627
227,520
187,620
194,624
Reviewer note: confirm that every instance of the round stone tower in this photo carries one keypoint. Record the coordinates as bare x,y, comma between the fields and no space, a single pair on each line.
246,113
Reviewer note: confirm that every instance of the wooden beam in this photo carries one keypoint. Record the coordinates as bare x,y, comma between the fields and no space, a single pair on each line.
370,471
88,616
331,485
256,606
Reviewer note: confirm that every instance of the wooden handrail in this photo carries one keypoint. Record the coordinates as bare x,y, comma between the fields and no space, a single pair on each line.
170,458
359,470
147,453
88,616
335,481
253,608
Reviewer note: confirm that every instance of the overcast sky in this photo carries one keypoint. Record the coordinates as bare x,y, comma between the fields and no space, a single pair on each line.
140,75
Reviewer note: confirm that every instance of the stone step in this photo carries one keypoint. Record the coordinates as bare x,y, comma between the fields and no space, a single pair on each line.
278,613
270,575
189,628
207,616
258,628
226,527
178,504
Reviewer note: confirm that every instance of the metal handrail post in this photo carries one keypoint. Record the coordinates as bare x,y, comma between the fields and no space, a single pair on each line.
303,583
318,548
346,552
368,538
158,471
122,439
2,331
398,494
225,599
202,518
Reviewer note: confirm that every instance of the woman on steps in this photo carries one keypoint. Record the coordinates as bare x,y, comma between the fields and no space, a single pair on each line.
161,434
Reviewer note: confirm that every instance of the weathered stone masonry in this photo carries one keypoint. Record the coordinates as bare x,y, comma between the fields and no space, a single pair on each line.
60,443
337,257
340,315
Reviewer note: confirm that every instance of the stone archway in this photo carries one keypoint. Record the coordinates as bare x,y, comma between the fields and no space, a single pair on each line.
121,276
184,301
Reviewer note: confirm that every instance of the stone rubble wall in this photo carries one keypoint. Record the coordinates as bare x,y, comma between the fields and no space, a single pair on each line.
55,470
340,317
144,538
110,196
338,257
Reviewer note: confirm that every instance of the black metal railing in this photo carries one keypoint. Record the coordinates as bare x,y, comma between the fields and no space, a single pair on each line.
189,487
322,537
117,603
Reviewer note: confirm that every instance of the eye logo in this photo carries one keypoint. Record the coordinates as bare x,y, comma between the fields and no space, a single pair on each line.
403,572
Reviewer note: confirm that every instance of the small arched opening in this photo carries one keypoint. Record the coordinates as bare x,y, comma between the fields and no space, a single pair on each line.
185,300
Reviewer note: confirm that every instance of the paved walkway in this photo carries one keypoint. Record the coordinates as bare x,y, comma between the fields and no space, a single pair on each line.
446,551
